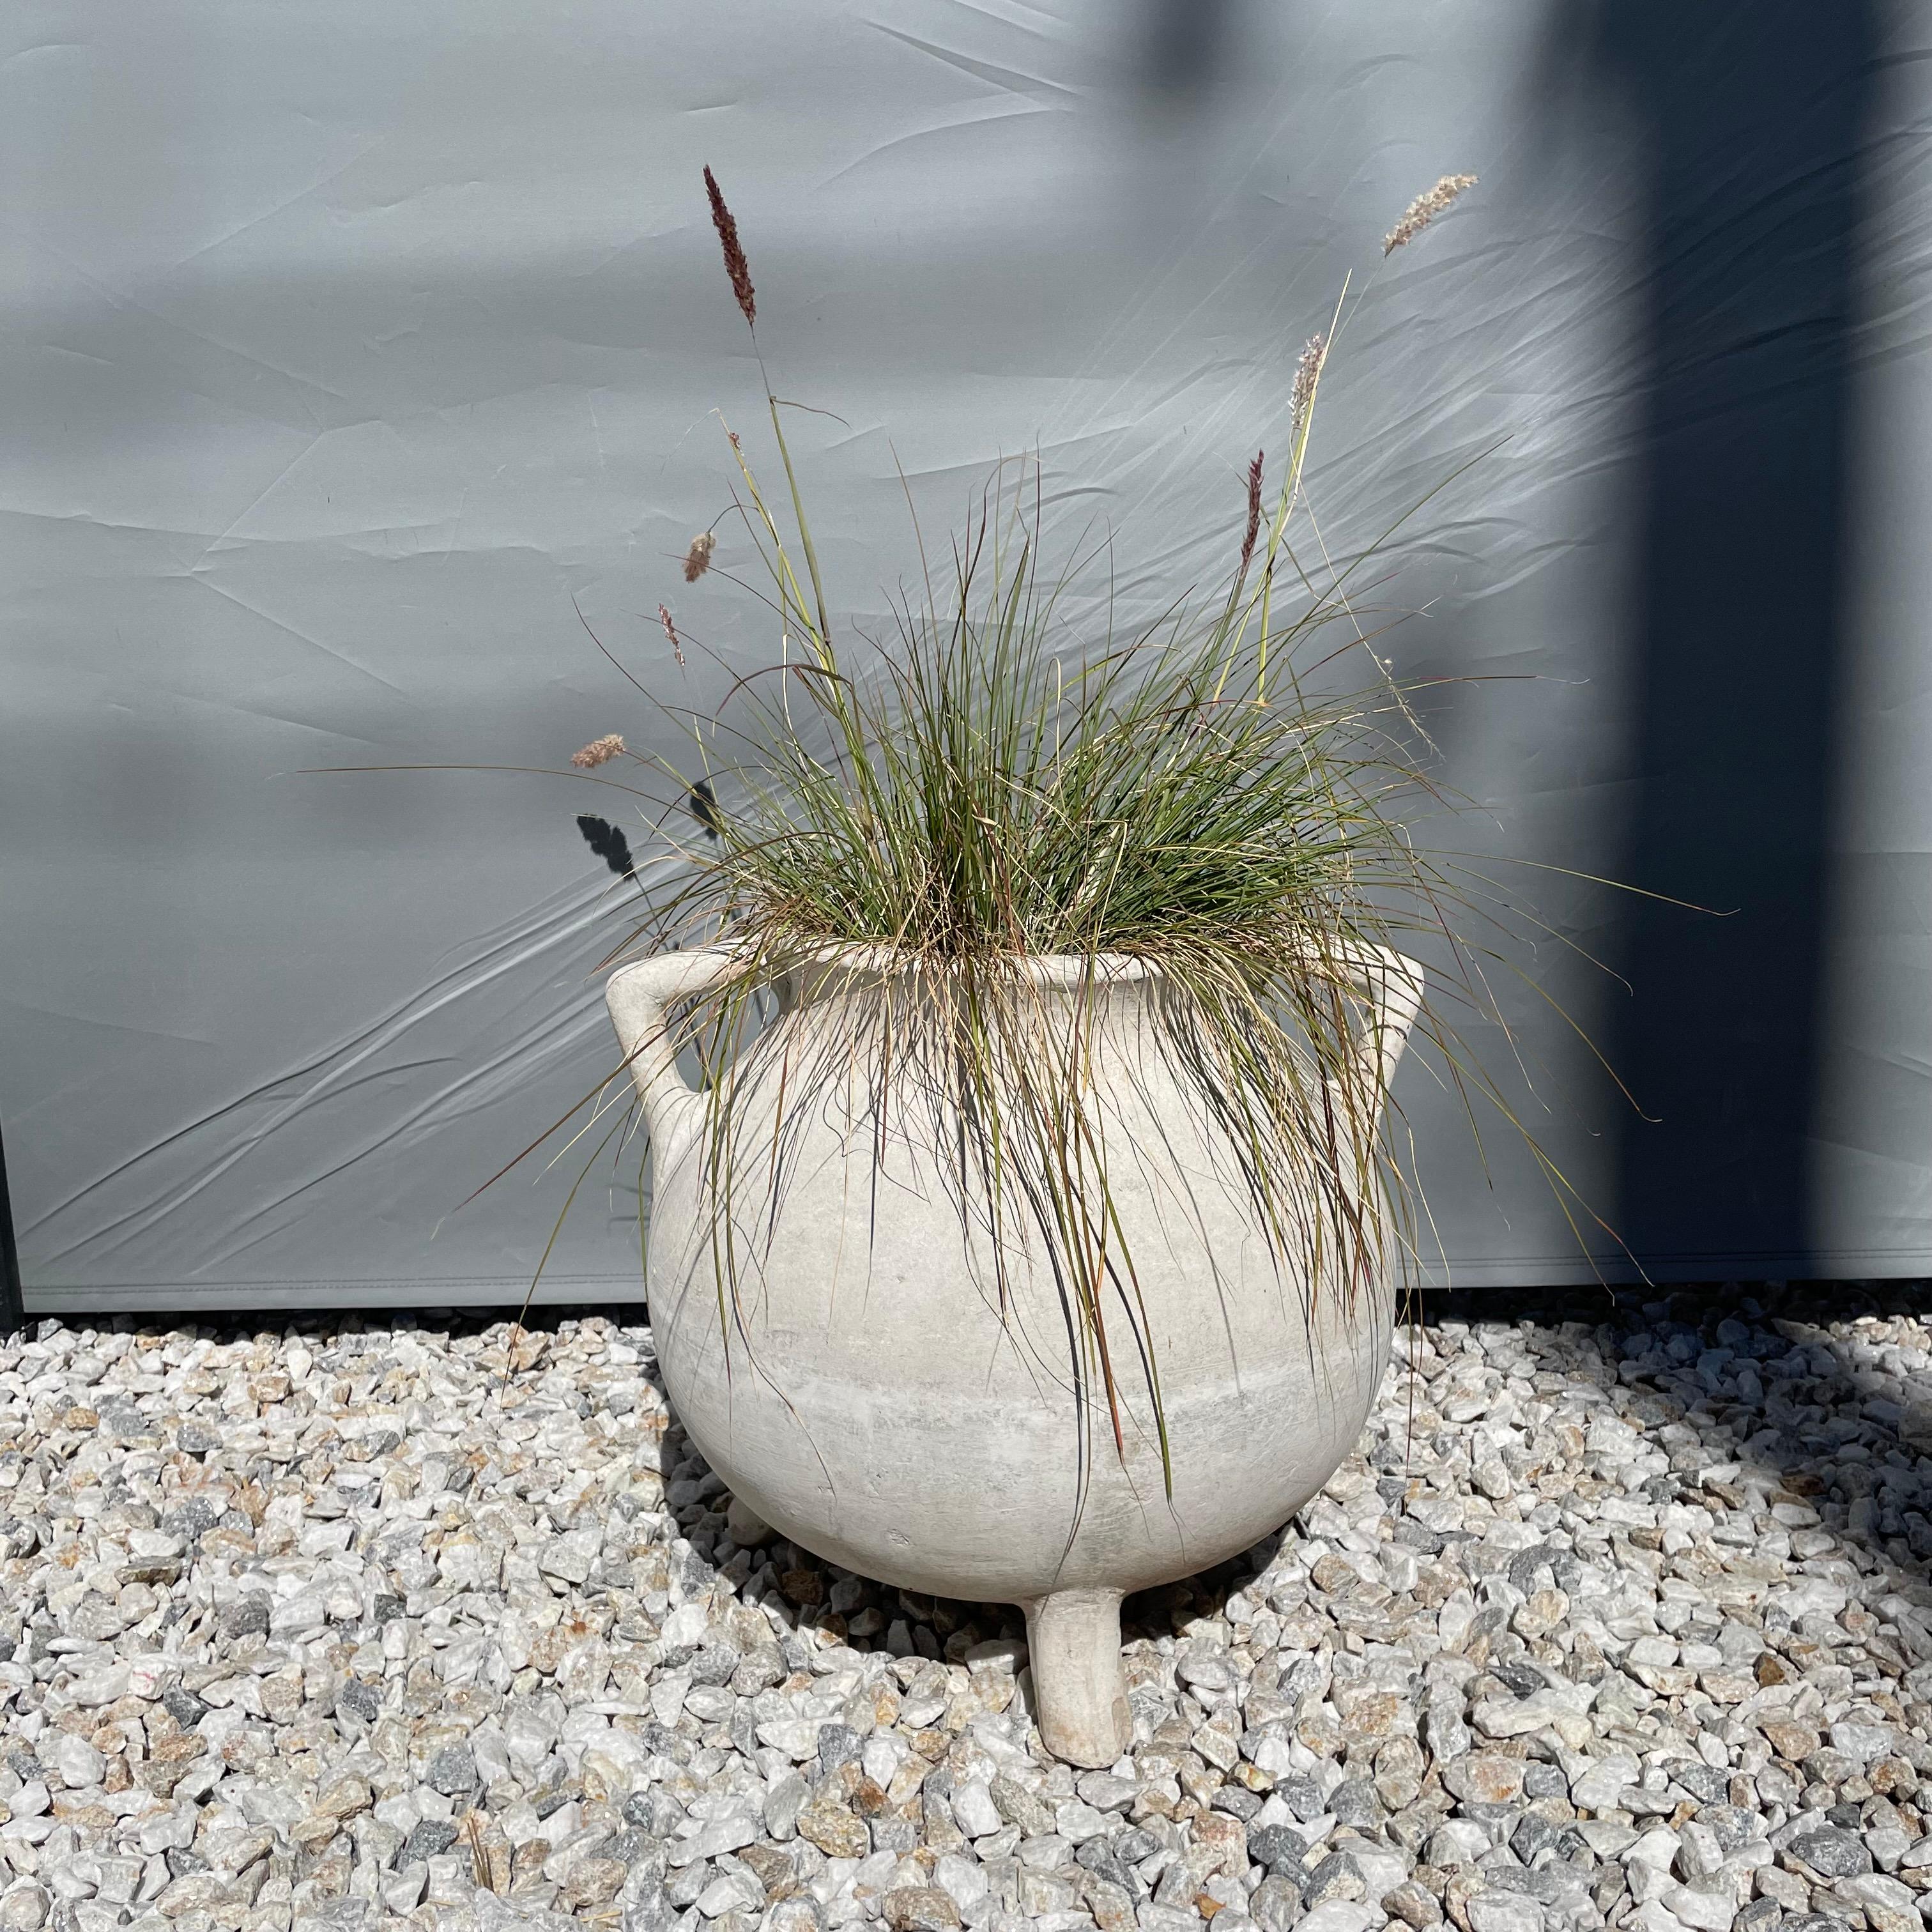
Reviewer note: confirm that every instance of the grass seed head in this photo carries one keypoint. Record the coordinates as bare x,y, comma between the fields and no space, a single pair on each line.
1307,373
598,752
1424,209
670,631
735,264
1254,514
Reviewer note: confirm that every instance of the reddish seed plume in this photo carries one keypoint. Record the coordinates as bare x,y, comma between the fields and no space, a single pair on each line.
1254,513
670,631
735,264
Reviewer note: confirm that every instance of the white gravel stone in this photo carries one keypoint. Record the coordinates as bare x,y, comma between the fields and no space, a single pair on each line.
79,1764
973,1808
730,1833
1658,1848
1107,1792
1703,1911
1601,1788
964,1880
1077,1821
25,1908
1653,1916
1503,1912
1340,1915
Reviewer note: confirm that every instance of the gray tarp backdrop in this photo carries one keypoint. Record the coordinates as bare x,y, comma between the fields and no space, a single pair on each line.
344,346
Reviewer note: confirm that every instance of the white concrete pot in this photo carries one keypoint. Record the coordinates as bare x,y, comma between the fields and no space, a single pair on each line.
869,1397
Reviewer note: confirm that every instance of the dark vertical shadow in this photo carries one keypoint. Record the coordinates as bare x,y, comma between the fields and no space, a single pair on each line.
1182,46
12,1305
1750,118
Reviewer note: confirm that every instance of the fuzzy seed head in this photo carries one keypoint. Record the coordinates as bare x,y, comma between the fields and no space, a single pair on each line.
598,752
1254,513
735,264
1307,373
1424,209
697,559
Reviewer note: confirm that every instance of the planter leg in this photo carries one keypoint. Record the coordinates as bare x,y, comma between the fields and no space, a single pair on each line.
1074,1637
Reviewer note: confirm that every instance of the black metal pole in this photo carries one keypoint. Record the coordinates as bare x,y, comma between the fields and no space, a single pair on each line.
13,1312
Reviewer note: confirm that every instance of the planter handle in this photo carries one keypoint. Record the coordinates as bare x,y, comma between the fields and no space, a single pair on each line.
640,997
1395,989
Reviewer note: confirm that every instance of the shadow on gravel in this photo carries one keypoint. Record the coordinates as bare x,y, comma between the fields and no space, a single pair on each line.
1821,1385
810,1592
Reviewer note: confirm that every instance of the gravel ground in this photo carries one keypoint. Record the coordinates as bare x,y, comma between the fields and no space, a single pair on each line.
1619,1619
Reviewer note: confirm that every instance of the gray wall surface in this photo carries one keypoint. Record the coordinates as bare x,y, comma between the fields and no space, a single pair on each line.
346,348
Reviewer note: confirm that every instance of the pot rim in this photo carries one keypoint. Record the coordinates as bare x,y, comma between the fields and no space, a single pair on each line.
1059,971
1054,971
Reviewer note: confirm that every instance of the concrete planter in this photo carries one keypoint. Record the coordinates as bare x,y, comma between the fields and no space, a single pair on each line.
871,1398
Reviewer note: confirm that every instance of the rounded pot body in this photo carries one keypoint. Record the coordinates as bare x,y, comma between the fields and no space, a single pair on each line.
888,1385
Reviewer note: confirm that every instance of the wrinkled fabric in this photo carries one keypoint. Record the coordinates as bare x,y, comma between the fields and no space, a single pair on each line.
362,364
